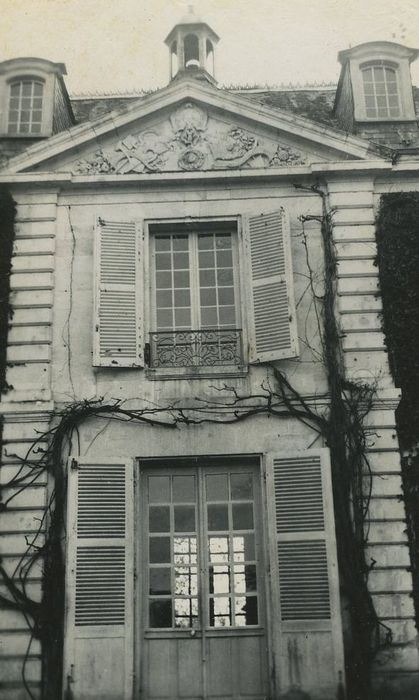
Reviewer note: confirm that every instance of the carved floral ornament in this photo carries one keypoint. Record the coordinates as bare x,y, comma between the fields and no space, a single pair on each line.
190,140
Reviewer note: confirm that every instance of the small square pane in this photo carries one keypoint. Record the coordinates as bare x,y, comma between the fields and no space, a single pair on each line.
227,315
183,489
164,318
163,280
186,580
182,297
246,611
218,549
180,243
209,316
225,277
184,518
242,516
241,487
394,112
15,90
181,279
159,519
206,259
180,261
224,258
219,580
36,128
367,73
164,298
159,581
207,278
370,102
38,89
208,296
162,243
163,261
186,612
24,128
205,241
37,103
159,489
36,115
226,295
183,318
378,73
217,517
223,240
220,612
217,487
27,88
25,115
159,548
160,613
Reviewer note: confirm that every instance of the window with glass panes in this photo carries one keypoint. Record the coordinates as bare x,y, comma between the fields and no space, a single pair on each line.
194,279
25,107
202,550
381,91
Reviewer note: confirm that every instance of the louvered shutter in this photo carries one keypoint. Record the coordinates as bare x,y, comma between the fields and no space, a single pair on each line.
272,323
307,627
98,651
118,329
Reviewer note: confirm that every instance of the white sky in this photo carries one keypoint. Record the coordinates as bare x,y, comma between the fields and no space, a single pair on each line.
117,45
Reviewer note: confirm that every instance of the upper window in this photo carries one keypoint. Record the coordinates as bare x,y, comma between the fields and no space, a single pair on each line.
25,106
194,297
381,91
198,296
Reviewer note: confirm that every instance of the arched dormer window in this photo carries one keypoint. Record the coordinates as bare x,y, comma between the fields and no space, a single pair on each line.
381,90
25,106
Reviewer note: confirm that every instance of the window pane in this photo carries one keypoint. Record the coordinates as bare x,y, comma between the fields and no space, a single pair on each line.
184,549
180,261
226,295
163,261
181,279
227,316
36,128
186,612
27,88
241,486
209,316
246,611
159,489
206,259
219,579
183,318
159,519
164,318
159,550
217,487
242,516
207,278
24,128
162,243
180,242
38,89
244,547
182,297
161,613
224,258
220,612
163,280
218,549
245,578
378,73
208,296
15,90
164,298
184,518
160,581
225,277
205,242
186,580
223,240
218,517
183,489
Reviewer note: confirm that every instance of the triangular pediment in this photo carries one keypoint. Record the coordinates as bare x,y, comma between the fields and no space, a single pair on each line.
189,127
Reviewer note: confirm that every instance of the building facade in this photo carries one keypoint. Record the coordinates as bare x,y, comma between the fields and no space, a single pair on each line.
202,493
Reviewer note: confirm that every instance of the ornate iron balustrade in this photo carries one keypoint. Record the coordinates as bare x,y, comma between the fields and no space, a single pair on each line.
203,348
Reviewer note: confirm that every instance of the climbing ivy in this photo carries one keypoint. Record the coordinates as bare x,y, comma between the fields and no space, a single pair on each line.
398,264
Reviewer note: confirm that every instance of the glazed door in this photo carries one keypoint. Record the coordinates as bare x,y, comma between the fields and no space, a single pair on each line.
203,615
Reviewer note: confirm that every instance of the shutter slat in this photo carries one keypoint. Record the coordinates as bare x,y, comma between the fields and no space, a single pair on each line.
306,615
118,303
99,580
272,328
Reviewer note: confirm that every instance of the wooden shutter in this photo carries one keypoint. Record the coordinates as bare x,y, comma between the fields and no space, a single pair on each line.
272,324
306,620
118,337
98,652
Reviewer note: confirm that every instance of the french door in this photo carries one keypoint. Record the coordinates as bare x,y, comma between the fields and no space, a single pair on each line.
203,605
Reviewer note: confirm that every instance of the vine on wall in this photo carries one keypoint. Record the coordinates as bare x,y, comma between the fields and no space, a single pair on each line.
398,263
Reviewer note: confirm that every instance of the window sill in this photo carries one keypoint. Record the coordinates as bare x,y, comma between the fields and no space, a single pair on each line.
173,373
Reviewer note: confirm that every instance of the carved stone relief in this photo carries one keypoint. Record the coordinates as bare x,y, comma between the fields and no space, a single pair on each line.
190,140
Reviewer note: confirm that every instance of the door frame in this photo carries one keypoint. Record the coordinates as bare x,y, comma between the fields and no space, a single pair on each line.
265,567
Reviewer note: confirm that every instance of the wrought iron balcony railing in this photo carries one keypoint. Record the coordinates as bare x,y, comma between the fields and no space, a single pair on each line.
203,348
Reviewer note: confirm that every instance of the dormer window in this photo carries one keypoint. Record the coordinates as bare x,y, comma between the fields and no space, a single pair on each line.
25,106
381,91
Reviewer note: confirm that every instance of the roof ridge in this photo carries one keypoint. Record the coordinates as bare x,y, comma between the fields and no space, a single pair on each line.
283,87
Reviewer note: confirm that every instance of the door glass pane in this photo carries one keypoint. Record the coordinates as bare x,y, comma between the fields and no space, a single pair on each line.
159,550
184,518
159,489
217,487
159,519
242,516
160,581
161,613
183,489
218,517
241,487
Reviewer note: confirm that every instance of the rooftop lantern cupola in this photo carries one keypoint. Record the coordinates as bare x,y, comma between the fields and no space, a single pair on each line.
191,44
